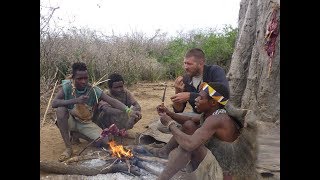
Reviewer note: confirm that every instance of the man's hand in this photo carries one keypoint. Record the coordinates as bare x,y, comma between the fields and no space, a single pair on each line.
82,99
138,113
135,114
181,97
165,119
162,109
178,84
130,123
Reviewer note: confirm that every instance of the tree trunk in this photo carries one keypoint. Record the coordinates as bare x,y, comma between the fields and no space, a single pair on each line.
60,168
254,73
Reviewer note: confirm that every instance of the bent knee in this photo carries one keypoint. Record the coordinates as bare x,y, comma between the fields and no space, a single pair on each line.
62,113
178,151
189,127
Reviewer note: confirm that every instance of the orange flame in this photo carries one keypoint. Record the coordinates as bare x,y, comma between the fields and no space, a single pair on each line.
119,151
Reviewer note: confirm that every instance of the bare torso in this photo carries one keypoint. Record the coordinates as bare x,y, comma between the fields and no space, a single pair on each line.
226,129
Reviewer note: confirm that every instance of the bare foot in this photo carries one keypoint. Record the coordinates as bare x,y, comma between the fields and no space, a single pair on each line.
65,155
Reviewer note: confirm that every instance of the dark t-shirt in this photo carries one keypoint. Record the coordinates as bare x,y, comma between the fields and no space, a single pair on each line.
211,73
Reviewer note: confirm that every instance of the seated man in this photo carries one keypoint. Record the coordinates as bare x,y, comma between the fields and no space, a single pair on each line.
109,115
196,71
187,86
75,103
189,144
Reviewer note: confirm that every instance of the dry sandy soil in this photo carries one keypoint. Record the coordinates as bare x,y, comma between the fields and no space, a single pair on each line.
149,96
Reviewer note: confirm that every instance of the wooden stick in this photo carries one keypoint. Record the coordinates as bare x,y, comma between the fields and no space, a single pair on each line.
88,145
164,95
128,164
116,160
45,114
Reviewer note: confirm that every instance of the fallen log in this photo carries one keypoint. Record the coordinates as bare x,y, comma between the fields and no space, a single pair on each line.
61,168
143,165
79,158
88,157
151,159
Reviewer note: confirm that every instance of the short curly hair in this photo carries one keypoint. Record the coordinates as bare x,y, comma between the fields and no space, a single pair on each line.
114,78
195,52
78,66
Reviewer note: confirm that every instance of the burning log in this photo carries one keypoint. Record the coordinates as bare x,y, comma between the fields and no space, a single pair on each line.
61,168
119,150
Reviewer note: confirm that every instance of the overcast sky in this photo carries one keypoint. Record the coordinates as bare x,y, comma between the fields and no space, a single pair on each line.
126,16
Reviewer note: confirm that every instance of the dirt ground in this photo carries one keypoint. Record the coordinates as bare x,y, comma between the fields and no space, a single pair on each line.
149,96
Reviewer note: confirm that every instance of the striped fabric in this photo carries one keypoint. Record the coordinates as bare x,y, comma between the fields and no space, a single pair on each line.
213,93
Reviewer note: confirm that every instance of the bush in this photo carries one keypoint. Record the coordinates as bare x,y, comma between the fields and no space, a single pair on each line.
134,56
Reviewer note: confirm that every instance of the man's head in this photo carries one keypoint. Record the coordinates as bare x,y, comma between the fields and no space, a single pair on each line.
194,61
115,84
80,75
212,95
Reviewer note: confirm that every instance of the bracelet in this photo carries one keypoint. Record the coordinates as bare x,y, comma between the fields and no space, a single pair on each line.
128,111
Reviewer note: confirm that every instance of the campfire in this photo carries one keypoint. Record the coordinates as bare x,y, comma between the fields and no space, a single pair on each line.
131,160
121,154
119,151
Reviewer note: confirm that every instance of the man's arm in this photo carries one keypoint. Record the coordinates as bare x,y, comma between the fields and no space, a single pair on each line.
178,105
113,102
119,105
183,118
180,118
199,137
59,100
110,110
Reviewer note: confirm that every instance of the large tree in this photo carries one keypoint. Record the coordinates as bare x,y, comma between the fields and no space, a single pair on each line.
254,73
